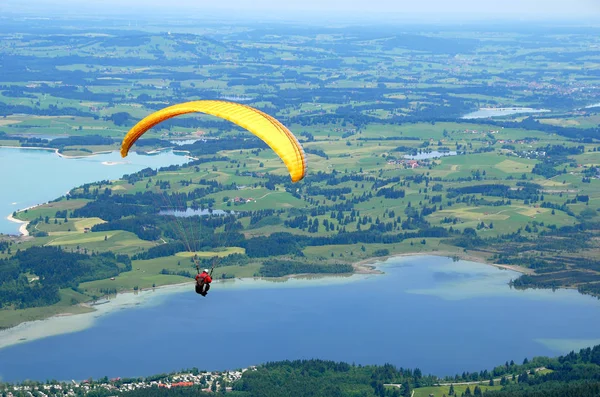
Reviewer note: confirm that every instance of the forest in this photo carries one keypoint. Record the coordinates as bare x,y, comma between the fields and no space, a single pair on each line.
54,269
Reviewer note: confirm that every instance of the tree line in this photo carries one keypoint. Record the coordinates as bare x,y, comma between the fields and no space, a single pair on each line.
33,277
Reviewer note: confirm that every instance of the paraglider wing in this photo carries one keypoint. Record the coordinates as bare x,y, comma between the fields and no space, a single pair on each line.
267,128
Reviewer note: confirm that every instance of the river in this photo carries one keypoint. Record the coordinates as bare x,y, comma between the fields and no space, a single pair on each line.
33,176
441,316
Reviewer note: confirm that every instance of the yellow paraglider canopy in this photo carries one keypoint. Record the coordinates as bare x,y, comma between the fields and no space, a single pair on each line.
267,128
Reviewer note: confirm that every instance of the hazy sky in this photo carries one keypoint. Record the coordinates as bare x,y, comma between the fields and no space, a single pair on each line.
536,9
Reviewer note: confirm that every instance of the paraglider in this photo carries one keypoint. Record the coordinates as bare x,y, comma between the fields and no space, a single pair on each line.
264,126
267,128
203,281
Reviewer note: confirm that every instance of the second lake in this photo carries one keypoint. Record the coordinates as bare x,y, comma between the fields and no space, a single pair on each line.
37,176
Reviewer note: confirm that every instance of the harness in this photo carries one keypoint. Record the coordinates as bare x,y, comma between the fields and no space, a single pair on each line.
211,269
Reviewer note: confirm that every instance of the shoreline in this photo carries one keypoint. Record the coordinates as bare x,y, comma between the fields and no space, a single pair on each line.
23,228
515,108
92,154
369,264
56,151
66,322
36,329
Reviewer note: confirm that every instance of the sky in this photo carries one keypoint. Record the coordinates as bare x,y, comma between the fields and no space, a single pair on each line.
420,9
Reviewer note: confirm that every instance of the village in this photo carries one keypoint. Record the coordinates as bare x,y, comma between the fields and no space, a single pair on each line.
208,381
412,164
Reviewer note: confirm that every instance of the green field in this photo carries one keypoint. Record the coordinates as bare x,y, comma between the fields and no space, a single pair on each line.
67,305
147,273
439,391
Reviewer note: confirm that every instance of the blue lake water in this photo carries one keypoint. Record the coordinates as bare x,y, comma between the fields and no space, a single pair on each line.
441,316
484,113
33,177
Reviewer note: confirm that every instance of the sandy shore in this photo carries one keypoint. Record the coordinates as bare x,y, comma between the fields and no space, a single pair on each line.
65,323
55,150
30,148
23,227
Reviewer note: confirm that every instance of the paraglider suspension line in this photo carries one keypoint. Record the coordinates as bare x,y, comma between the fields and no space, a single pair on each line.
211,269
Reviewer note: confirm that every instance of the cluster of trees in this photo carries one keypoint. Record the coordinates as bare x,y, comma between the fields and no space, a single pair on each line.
524,191
575,374
212,146
112,209
283,243
50,269
547,169
322,378
4,245
92,140
182,273
278,268
317,152
390,193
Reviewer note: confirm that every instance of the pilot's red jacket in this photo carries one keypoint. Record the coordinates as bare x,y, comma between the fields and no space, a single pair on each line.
205,277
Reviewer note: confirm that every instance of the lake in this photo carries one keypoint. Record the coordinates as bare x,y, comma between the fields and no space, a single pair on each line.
38,176
441,316
430,155
181,142
498,112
